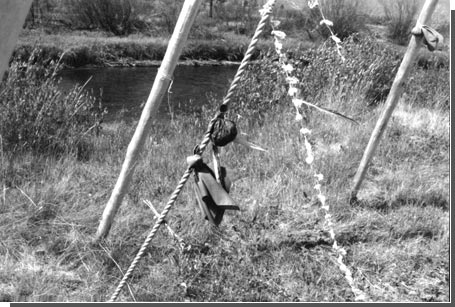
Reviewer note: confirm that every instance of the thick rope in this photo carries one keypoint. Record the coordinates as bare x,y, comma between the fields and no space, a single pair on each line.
150,236
265,12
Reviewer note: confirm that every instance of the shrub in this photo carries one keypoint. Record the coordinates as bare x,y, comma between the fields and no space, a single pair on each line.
40,13
400,16
36,116
367,75
296,21
119,17
345,14
429,87
169,13
261,89
369,69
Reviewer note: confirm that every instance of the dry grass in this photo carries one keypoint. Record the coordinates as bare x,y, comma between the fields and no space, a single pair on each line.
273,250
276,248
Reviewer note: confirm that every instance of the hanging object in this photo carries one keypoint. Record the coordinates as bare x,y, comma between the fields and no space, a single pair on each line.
431,38
213,199
224,131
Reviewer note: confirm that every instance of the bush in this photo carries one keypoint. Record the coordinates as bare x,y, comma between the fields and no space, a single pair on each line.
40,13
261,90
169,13
400,16
36,116
345,15
119,17
369,69
366,76
296,21
430,87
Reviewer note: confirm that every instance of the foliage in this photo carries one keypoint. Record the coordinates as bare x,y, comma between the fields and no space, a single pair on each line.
369,69
297,21
401,15
169,13
345,14
41,12
262,89
35,115
119,17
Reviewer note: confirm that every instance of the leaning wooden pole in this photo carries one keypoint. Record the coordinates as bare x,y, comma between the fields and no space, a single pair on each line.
160,86
394,95
12,17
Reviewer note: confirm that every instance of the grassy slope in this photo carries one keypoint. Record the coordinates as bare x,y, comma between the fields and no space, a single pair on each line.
274,249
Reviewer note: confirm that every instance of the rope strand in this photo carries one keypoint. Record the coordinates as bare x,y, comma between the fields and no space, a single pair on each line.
150,236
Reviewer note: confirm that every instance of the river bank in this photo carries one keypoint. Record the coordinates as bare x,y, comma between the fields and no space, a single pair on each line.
97,49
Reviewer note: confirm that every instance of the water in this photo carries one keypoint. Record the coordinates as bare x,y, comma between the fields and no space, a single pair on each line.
123,91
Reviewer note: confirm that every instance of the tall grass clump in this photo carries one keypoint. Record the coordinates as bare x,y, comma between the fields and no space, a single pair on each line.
346,17
295,21
400,16
169,13
262,90
368,70
365,76
36,116
119,17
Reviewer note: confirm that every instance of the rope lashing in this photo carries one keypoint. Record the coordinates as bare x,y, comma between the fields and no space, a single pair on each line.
431,37
266,12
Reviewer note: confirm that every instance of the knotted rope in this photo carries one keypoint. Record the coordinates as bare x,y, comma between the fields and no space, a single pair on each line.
265,12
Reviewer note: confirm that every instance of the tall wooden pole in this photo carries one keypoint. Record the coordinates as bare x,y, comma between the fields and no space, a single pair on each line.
12,17
394,95
160,86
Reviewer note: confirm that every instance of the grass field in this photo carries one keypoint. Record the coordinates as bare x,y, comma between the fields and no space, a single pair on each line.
277,247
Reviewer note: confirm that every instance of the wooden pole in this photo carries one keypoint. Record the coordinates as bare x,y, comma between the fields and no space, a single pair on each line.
392,98
12,17
160,86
